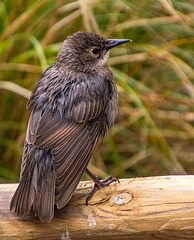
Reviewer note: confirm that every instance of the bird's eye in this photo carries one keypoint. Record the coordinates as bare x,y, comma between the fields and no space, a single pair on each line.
95,51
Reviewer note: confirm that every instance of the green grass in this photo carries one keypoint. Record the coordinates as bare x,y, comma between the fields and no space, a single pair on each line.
153,133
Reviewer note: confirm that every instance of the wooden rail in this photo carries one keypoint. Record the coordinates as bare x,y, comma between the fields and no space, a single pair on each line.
137,208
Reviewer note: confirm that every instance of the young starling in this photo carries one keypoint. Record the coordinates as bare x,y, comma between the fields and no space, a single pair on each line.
72,106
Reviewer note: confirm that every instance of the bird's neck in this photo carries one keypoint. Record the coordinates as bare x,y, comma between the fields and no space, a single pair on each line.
81,70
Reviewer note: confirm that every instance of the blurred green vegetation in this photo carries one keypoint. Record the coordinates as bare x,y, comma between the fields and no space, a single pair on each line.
153,133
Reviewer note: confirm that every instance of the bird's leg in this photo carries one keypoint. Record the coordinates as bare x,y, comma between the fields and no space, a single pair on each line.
98,184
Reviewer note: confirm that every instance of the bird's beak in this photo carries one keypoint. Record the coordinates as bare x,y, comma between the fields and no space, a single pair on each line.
116,42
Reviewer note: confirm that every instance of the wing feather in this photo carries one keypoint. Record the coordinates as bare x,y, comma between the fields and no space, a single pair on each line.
71,145
68,152
72,169
70,137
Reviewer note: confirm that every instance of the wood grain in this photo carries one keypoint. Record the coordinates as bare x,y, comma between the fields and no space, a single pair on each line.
137,208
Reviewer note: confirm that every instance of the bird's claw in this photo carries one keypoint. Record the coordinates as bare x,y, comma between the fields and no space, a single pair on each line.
100,184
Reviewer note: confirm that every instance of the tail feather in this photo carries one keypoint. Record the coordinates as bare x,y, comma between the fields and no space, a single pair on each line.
37,189
43,205
21,203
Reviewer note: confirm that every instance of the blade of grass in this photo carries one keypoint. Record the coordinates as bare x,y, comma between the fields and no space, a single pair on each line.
15,88
40,52
13,27
161,144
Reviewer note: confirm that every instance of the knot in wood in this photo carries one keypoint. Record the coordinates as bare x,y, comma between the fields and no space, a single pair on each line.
123,198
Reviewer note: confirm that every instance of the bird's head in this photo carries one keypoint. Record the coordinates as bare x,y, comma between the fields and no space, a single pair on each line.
85,51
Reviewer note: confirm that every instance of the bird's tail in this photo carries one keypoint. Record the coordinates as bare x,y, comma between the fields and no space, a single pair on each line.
37,189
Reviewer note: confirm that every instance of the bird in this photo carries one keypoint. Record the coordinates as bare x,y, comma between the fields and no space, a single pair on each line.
73,106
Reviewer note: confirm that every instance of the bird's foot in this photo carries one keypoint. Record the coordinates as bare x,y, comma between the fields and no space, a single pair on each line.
99,184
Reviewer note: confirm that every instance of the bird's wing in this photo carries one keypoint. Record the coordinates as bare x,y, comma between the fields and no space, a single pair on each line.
71,141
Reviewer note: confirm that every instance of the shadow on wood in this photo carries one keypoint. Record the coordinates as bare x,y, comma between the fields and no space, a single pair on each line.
138,208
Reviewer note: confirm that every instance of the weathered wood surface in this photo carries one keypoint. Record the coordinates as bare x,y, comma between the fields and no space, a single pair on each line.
138,208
